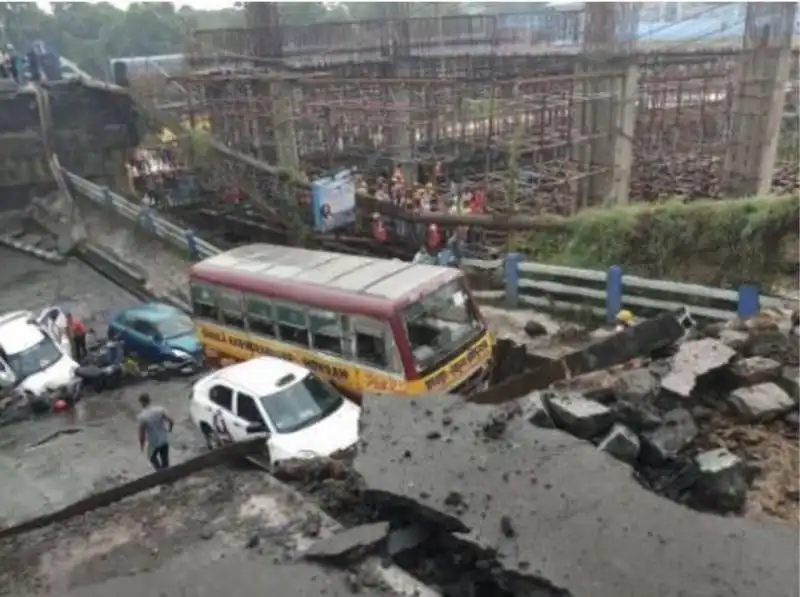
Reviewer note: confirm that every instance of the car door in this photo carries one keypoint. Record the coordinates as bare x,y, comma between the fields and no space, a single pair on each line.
219,412
54,321
142,340
247,416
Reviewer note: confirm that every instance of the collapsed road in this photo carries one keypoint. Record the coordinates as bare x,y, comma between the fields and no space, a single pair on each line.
217,531
530,511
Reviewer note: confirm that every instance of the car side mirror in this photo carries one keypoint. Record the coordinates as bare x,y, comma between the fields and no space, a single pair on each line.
158,339
254,428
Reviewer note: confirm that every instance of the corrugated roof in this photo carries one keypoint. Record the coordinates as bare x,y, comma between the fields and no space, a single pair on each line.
380,278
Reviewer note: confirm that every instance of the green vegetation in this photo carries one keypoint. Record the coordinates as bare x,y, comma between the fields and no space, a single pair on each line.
709,242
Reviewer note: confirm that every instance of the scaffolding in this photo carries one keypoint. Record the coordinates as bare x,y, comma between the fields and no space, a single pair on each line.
560,97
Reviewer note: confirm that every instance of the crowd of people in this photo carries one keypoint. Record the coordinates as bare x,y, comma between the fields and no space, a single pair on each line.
33,65
437,195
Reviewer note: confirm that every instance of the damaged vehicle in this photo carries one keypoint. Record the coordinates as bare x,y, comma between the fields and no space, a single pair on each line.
297,413
36,353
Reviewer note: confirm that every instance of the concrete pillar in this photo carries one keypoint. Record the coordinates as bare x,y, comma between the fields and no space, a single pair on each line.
285,135
610,111
758,101
401,135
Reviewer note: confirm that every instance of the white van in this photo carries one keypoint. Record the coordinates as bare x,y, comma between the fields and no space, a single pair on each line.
299,414
35,352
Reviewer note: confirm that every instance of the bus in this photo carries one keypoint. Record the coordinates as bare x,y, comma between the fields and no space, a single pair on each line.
367,325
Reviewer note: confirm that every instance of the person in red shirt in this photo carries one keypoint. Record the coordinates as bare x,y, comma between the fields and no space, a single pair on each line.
77,332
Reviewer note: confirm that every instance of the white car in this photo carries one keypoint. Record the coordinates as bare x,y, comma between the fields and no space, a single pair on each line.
298,414
35,351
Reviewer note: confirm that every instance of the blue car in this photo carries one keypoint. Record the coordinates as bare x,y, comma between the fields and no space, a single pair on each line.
156,333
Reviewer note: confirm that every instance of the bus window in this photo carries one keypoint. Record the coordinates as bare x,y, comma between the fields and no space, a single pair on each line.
326,331
230,307
292,323
370,342
204,303
439,324
260,318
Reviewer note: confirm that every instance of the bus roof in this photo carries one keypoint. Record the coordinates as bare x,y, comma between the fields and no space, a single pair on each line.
381,285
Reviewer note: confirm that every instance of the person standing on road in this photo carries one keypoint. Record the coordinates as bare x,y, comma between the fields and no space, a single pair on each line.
77,332
155,426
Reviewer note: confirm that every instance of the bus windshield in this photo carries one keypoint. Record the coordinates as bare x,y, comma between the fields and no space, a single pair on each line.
439,324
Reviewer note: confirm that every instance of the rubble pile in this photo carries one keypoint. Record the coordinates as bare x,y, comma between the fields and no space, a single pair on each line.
701,426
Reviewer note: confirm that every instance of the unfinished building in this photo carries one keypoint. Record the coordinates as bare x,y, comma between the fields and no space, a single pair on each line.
550,112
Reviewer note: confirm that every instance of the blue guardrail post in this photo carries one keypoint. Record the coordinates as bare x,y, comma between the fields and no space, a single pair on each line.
191,242
613,293
511,273
749,300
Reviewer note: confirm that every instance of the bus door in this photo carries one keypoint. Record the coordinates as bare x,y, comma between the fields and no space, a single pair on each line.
238,346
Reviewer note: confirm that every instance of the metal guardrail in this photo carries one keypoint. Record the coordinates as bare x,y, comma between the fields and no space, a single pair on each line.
525,284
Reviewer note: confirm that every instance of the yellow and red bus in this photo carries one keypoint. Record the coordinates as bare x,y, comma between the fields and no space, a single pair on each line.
365,324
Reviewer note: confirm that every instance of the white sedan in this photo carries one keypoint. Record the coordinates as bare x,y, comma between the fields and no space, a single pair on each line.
298,414
35,351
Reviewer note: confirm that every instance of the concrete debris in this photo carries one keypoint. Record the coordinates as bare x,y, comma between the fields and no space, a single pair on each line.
533,409
721,484
695,359
635,393
733,339
534,329
755,370
406,538
665,443
622,443
355,542
789,381
579,416
534,495
761,403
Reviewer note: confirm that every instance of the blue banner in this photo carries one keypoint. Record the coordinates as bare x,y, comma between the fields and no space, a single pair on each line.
333,201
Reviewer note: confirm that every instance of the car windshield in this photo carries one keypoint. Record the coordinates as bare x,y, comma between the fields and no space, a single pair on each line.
175,326
439,324
301,404
37,358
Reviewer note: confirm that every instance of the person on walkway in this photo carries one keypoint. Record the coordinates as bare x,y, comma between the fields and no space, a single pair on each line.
77,332
155,425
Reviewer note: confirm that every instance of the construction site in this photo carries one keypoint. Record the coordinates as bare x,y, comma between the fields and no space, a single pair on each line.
671,443
545,113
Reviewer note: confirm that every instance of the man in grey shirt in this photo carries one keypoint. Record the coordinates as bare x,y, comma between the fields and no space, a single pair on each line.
154,428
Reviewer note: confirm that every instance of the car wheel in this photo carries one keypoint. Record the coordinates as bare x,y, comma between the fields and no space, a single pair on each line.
212,439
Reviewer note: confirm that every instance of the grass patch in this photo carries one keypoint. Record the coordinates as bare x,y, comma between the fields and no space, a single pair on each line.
721,242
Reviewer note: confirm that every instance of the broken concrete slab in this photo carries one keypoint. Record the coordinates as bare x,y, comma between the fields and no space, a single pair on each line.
579,416
789,381
695,359
636,393
533,409
639,340
587,505
622,443
406,538
359,540
664,443
721,484
755,370
638,385
733,339
761,403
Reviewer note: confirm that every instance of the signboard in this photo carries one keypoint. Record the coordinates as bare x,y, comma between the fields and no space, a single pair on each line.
333,201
